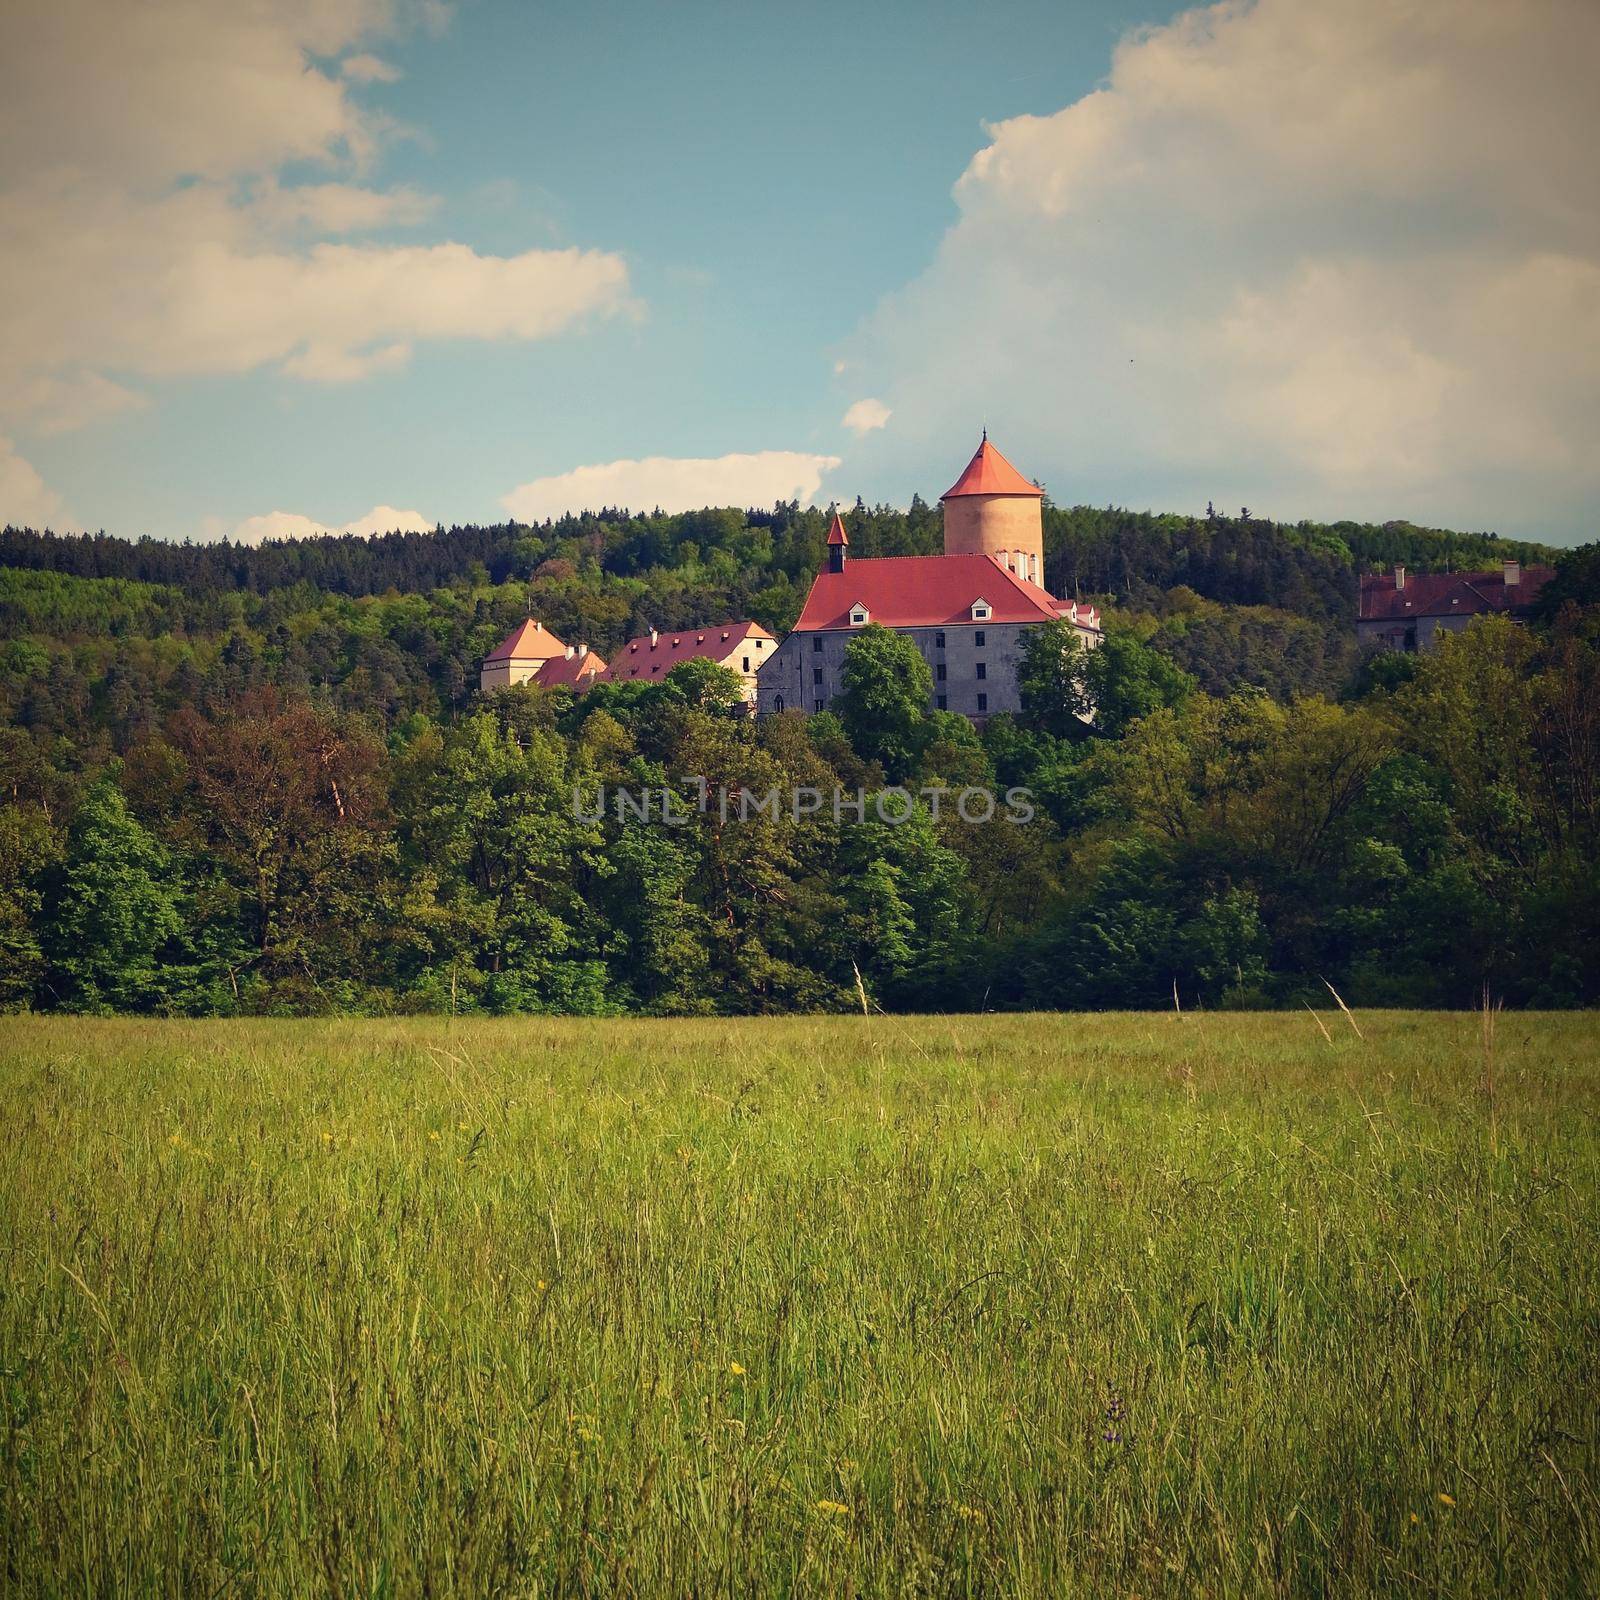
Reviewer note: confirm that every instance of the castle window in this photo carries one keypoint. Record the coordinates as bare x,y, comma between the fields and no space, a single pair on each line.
816,645
983,671
858,616
818,704
983,702
816,674
977,638
980,610
938,672
943,703
747,663
938,640
777,702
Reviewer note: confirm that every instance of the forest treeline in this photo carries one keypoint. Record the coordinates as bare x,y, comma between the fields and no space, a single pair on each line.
223,792
108,634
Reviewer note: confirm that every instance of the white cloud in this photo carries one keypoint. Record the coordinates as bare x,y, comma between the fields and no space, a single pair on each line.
864,416
1340,259
26,501
369,69
387,519
181,88
674,484
338,207
58,402
144,231
292,525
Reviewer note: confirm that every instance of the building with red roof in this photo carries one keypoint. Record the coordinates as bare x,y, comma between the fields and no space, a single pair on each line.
992,510
1408,611
521,655
530,651
968,611
577,668
742,647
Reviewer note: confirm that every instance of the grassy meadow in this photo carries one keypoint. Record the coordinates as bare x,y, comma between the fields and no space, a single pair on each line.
1026,1305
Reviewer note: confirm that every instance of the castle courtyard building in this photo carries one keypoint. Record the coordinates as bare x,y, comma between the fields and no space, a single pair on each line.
520,656
1408,611
742,647
968,611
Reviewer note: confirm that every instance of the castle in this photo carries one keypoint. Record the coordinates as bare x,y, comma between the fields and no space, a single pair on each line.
968,612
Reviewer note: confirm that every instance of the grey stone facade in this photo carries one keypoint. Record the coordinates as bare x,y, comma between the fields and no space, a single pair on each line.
974,667
1408,633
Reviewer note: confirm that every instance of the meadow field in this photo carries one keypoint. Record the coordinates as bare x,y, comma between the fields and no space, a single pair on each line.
1027,1305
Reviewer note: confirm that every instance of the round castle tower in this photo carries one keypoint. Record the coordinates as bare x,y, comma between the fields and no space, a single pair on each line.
992,510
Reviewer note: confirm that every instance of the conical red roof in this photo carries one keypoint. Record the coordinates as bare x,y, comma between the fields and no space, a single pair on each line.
988,472
836,533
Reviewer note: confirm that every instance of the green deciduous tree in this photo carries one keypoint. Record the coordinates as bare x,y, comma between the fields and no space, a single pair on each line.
112,911
884,700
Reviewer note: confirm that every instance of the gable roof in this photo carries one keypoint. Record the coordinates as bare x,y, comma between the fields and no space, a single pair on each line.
988,472
1448,594
570,670
647,660
528,641
929,591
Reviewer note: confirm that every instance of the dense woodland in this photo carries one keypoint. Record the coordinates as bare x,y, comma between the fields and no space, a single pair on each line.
261,780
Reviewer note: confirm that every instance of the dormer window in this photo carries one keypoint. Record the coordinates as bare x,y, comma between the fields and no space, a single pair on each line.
980,610
859,615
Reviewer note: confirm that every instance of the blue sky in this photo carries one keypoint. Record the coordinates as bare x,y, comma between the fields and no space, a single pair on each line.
361,262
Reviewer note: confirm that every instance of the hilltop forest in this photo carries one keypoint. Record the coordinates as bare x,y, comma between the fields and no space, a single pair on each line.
261,780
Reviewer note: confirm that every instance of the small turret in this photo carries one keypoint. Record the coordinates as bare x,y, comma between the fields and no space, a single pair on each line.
838,543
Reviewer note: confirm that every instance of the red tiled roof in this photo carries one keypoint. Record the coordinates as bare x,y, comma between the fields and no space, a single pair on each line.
836,533
928,591
1448,594
988,472
641,659
572,671
528,641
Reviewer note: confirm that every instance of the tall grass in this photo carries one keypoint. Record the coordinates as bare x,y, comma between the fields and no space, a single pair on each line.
1041,1306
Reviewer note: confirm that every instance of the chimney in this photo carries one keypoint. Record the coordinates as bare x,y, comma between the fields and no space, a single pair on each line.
583,650
569,652
653,637
1513,573
1399,577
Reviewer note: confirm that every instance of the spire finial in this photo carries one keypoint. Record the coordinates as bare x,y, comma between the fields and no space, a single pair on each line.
986,433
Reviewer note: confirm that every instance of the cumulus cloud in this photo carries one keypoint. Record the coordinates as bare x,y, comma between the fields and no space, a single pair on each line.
145,232
369,69
388,519
865,415
293,525
1336,259
674,484
26,501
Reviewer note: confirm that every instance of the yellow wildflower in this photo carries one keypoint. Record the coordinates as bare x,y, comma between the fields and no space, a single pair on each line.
736,1369
833,1508
1446,1500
